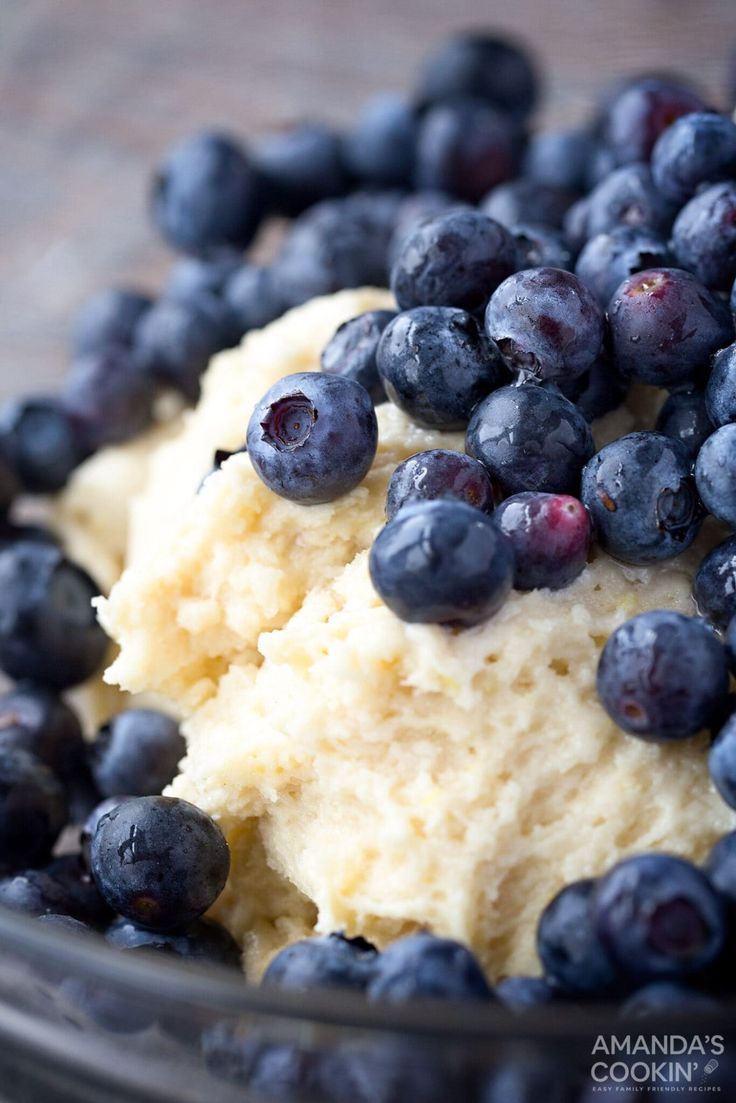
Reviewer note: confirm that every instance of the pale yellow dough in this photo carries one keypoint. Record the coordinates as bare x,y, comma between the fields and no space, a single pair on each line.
374,776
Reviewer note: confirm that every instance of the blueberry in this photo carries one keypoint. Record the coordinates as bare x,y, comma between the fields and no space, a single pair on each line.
524,200
193,277
423,966
521,993
159,861
722,762
489,67
379,151
274,1070
300,166
610,258
9,488
667,998
11,533
684,417
714,587
560,158
568,946
697,149
33,892
80,898
530,438
442,562
414,209
202,940
466,148
37,720
642,111
704,236
391,1069
109,318
530,1077
351,353
663,676
575,223
665,326
550,534
455,259
628,197
659,917
602,163
175,341
88,828
107,398
254,297
715,474
312,437
39,442
48,629
720,866
206,195
137,752
597,391
439,473
330,961
33,809
720,390
546,324
436,365
540,246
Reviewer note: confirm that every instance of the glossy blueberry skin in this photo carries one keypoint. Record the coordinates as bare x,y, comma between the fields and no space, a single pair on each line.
436,365
720,865
524,200
684,417
192,277
704,236
108,398
560,158
422,966
159,861
659,917
519,993
109,318
379,150
628,197
81,898
40,443
665,997
610,258
329,961
33,809
550,534
489,67
722,762
697,149
176,340
530,438
641,111
546,324
202,940
455,259
351,353
253,296
714,586
568,945
439,473
33,892
137,752
715,474
300,166
663,676
205,195
665,326
465,148
312,437
415,208
37,720
720,390
48,629
442,562
540,246
88,828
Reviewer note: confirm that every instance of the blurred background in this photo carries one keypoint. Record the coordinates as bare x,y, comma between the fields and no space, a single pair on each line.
93,91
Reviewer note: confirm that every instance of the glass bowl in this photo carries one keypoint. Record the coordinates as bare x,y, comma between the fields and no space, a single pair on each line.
81,1023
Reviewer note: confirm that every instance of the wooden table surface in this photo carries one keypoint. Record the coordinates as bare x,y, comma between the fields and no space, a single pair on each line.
92,91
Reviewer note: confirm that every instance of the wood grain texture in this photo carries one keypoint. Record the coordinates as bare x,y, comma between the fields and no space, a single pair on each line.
91,92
